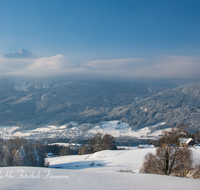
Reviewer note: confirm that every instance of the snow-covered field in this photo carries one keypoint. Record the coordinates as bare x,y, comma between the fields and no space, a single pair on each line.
101,170
72,130
107,160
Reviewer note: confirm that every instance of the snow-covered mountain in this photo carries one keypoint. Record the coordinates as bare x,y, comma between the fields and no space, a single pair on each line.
174,106
35,102
20,53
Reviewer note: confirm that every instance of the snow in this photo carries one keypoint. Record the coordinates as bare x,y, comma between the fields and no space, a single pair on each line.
45,129
62,127
156,125
150,90
21,134
114,128
73,129
21,86
127,147
7,132
49,154
69,179
196,153
145,146
117,128
143,109
101,170
72,123
107,160
59,144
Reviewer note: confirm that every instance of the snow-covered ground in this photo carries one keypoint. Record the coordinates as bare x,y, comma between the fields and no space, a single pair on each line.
72,130
101,170
107,160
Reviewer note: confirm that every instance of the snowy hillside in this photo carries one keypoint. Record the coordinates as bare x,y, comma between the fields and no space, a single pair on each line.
97,171
108,160
174,106
30,102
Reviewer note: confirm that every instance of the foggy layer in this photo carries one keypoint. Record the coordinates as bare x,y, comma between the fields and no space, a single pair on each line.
161,67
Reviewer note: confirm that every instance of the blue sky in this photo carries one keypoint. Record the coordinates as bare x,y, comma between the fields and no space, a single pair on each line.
86,30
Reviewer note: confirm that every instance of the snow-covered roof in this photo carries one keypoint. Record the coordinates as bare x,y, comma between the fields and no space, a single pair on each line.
75,144
185,140
60,144
145,146
49,154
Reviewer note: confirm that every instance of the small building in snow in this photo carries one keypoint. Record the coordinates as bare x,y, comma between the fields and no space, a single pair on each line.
49,154
187,142
145,146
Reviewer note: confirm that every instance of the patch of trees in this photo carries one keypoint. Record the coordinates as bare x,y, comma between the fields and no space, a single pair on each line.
171,158
97,143
60,150
21,152
129,141
119,141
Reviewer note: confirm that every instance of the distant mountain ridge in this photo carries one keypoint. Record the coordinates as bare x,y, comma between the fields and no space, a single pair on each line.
20,53
174,106
33,103
59,103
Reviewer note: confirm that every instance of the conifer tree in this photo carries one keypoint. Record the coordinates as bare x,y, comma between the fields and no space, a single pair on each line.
17,160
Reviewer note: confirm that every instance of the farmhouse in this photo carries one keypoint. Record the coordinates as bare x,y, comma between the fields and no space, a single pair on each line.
187,142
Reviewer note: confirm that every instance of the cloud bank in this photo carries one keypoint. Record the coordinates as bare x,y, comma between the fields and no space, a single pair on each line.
160,67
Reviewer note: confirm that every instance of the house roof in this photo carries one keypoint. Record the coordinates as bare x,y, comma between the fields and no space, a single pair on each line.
185,140
145,146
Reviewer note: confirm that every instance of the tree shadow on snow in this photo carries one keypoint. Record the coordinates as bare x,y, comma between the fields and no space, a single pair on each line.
80,165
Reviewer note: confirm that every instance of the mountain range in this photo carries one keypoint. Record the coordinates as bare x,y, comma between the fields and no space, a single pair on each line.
175,106
32,103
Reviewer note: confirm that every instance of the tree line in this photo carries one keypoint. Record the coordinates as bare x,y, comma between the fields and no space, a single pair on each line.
18,151
21,152
60,150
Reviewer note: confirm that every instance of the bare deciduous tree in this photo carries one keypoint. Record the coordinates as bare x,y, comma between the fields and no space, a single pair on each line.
170,157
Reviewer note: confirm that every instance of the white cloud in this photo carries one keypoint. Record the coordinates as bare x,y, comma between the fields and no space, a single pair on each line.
45,66
168,66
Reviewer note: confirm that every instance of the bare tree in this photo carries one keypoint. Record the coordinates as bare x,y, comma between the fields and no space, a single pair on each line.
184,163
170,157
